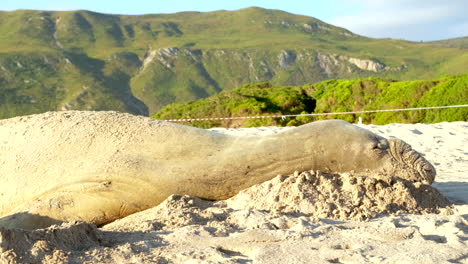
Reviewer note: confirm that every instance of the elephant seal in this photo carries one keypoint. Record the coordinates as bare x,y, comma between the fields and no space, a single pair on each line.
100,166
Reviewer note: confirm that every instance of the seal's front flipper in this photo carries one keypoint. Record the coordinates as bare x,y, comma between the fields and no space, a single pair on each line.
94,202
27,221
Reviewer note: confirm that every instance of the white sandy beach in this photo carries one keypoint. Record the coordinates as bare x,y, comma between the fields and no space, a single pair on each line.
255,227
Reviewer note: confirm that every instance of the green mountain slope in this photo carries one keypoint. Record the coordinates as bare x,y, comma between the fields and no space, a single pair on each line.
329,97
456,43
138,64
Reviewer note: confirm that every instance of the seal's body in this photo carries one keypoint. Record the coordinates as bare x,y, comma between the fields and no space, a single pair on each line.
101,166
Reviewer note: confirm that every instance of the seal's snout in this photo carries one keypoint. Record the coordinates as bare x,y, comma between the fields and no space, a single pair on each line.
413,165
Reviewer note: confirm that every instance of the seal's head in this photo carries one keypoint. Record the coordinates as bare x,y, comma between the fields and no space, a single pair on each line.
409,163
347,147
393,157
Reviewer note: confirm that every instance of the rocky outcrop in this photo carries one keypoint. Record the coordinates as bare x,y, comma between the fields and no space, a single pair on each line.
326,62
162,55
329,62
367,65
286,58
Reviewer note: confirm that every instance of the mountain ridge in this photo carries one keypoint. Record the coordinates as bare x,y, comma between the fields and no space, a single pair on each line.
53,60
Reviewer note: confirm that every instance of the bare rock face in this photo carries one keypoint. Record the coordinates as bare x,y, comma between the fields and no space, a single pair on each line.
330,62
367,65
286,58
326,62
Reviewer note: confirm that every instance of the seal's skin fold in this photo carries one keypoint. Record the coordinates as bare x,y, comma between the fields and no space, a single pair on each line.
101,166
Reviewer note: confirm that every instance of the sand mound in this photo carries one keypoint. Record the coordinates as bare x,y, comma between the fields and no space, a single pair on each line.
47,245
310,194
339,196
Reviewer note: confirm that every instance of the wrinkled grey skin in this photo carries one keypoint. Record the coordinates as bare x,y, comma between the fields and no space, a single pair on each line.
158,159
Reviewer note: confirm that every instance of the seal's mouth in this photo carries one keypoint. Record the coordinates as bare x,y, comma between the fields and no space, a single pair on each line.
415,167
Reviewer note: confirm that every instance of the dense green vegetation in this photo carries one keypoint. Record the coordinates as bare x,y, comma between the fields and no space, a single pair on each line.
138,64
328,97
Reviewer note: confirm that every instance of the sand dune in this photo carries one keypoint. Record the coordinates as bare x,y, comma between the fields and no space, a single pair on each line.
279,222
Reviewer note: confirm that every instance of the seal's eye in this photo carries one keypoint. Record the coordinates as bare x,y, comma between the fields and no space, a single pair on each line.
378,148
381,143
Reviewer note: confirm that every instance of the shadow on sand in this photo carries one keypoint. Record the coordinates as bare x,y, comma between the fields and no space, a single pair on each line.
456,192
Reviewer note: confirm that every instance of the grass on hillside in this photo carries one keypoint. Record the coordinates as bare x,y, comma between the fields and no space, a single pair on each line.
217,51
329,97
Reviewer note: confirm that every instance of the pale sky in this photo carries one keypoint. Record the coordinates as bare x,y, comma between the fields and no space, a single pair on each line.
401,19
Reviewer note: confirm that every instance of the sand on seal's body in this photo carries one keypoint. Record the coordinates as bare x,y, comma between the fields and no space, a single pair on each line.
101,166
270,222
